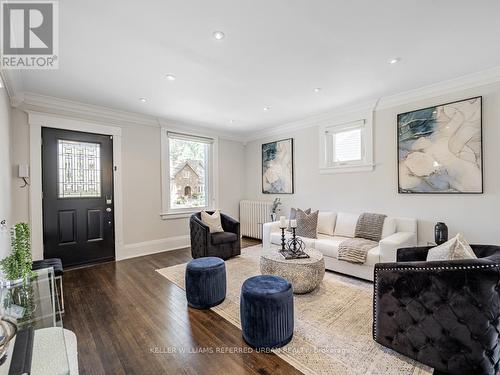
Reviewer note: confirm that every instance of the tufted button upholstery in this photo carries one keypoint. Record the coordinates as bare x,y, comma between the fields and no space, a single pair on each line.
223,245
444,314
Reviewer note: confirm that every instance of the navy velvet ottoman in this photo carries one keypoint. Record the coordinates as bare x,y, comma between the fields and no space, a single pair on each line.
266,311
205,282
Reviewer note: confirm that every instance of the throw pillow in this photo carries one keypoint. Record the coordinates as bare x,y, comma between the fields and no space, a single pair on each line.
369,226
456,248
307,225
293,216
212,221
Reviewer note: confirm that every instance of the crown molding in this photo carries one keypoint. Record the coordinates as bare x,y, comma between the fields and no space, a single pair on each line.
31,102
469,81
12,81
474,80
338,115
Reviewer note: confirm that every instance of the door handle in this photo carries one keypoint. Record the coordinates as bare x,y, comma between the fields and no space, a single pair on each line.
108,209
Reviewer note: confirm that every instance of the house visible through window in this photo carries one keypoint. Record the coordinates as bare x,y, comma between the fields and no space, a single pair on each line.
189,172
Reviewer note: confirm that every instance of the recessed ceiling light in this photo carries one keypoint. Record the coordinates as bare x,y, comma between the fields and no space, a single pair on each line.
143,100
317,89
170,77
218,35
394,60
267,108
231,121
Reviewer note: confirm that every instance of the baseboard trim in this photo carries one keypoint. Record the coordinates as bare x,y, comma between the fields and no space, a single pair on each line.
152,247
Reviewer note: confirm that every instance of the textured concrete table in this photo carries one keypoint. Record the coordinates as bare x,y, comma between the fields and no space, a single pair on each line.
304,274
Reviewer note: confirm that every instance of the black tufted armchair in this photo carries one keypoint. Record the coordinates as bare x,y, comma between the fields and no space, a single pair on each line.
205,244
444,314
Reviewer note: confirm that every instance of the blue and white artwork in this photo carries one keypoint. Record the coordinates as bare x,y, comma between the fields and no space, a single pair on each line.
440,149
277,167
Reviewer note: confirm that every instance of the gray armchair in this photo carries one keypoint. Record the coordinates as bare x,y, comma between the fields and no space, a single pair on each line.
205,244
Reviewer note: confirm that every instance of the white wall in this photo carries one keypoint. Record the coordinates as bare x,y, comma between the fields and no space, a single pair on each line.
5,171
474,215
144,230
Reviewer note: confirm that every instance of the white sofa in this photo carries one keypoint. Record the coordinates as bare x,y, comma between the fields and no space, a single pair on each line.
333,228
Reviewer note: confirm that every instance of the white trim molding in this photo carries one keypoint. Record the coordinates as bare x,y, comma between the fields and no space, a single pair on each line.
469,81
155,246
28,101
31,102
38,120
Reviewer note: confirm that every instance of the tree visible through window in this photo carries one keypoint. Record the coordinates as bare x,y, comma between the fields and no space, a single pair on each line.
188,162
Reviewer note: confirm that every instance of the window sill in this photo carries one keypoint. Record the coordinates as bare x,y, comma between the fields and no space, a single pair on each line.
182,214
347,169
176,215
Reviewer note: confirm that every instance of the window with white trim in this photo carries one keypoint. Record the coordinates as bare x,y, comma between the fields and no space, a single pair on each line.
188,173
346,147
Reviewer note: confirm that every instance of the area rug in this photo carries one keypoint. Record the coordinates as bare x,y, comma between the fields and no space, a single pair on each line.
333,324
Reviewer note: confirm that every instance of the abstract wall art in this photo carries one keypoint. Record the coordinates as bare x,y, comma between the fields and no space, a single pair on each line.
277,167
440,149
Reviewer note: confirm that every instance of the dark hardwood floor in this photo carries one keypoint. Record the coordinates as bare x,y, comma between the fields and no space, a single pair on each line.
131,320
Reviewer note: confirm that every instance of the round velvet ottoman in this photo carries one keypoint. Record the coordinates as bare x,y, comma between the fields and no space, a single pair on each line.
205,282
266,311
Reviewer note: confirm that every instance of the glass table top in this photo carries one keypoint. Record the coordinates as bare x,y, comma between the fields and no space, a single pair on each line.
34,306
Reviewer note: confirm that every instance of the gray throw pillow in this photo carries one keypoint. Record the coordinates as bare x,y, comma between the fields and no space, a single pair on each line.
307,225
293,216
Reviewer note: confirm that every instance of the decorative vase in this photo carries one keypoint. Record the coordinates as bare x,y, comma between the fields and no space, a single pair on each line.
440,233
273,216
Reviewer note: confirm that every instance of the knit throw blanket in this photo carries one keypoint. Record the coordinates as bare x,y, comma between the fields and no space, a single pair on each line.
367,235
354,250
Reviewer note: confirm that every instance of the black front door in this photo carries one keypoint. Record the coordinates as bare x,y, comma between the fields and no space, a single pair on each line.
77,174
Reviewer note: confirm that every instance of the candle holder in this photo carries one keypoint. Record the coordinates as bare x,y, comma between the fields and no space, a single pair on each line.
295,247
282,239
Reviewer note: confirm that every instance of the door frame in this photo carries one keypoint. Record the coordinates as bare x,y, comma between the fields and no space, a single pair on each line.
36,121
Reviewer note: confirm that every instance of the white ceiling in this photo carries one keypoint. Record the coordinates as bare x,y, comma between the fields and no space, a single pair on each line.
274,54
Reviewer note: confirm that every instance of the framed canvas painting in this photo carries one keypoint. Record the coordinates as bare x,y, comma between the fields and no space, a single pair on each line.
277,167
440,149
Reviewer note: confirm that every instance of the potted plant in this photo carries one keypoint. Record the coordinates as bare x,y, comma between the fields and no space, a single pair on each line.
275,208
16,267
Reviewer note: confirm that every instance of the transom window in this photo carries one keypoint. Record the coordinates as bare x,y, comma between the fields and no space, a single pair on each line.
189,169
79,169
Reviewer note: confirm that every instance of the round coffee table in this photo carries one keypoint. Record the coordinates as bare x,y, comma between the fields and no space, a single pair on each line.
304,274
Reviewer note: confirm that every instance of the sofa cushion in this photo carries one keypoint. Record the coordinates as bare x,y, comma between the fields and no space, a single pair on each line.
326,222
389,227
329,247
373,257
223,237
346,224
276,239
